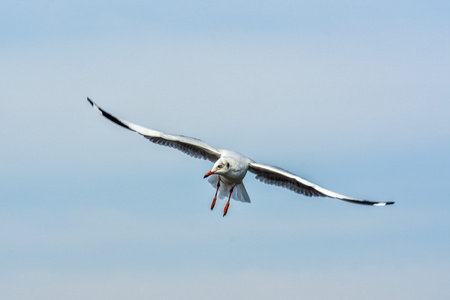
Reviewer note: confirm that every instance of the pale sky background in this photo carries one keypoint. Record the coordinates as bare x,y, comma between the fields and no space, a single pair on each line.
352,95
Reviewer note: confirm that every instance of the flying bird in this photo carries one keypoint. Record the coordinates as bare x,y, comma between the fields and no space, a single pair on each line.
230,167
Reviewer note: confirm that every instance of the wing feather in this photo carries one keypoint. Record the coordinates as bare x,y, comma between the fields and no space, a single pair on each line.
283,178
191,146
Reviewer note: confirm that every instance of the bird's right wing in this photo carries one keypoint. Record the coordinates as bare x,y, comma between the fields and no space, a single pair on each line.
191,146
280,177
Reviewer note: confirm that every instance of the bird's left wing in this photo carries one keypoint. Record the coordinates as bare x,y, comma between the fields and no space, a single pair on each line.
191,146
280,177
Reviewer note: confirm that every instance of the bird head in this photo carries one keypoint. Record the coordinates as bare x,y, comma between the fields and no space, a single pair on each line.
221,167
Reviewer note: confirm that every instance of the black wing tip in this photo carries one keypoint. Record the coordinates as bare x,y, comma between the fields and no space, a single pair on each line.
108,115
366,202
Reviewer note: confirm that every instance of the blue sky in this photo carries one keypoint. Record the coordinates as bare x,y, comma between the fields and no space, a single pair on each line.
352,96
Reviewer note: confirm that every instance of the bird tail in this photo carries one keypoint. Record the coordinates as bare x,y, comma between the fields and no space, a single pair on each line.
239,191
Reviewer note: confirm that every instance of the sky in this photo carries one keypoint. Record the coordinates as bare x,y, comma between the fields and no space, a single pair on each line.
350,95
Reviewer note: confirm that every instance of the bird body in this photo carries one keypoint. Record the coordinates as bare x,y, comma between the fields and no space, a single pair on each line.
230,168
232,164
227,175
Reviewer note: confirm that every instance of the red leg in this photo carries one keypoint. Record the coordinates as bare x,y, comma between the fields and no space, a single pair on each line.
215,196
225,210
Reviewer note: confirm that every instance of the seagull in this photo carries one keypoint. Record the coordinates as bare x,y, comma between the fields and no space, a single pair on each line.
230,167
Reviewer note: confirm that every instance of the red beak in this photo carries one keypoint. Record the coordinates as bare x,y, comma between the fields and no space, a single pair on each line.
208,174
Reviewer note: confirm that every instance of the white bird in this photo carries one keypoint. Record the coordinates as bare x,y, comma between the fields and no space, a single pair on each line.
231,167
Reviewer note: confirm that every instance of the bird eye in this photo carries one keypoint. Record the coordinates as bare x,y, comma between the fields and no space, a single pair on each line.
220,166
